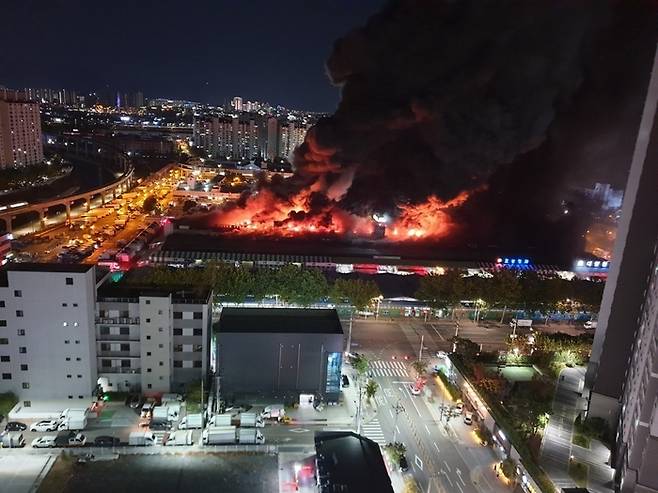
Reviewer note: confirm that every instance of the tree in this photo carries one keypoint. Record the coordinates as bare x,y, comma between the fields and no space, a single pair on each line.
150,203
358,292
442,290
300,286
420,367
371,389
395,451
508,468
360,363
466,348
410,485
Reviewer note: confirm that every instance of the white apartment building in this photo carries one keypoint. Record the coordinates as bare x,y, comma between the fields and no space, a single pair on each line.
20,133
47,331
150,340
622,376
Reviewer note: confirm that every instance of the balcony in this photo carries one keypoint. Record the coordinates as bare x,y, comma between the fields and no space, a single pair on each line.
116,369
118,321
117,337
117,354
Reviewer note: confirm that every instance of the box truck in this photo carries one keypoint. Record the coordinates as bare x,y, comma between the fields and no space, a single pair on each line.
180,437
160,414
251,420
190,422
520,322
274,411
219,420
141,438
75,419
225,435
13,439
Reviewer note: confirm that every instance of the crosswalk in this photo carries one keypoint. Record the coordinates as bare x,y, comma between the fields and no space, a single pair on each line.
373,430
382,368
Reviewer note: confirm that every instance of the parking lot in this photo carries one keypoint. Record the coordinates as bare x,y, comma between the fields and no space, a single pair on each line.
230,473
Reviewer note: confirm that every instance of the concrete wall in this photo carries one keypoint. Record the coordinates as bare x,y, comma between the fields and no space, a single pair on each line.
273,363
56,330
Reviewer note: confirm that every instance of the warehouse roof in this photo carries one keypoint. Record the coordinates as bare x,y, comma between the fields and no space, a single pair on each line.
282,320
348,462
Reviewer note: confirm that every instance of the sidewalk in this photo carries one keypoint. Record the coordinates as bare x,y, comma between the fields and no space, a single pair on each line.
557,448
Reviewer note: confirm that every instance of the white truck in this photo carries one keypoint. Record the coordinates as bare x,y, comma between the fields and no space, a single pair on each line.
219,420
590,325
521,322
191,422
75,419
142,438
168,398
251,420
13,439
160,414
273,411
225,435
180,437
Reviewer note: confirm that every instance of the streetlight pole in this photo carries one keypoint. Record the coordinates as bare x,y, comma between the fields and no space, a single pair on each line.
420,353
349,335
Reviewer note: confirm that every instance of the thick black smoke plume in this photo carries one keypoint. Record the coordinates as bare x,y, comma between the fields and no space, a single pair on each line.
437,94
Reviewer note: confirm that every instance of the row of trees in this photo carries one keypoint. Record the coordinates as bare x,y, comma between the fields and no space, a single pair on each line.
509,289
22,176
290,283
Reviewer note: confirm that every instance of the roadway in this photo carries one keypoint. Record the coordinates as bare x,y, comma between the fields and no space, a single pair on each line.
442,457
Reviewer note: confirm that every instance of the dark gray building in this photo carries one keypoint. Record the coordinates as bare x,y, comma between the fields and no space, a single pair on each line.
279,352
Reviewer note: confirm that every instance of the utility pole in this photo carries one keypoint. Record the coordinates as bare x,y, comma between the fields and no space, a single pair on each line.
420,353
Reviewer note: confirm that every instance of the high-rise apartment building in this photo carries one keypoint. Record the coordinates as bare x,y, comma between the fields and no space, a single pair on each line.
153,340
236,103
47,342
622,377
20,132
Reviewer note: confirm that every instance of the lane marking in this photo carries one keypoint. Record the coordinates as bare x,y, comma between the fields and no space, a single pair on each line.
436,447
447,477
459,475
428,430
447,466
411,398
419,463
391,413
397,429
460,488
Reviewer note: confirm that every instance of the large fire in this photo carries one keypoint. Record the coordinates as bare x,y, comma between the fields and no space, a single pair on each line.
311,213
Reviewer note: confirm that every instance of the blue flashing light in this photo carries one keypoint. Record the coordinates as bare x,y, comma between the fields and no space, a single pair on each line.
526,261
506,261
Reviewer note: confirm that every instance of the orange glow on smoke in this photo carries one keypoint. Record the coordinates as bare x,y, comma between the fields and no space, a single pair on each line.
429,219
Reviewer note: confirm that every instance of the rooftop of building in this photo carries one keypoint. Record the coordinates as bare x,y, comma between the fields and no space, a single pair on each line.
121,291
348,462
280,320
48,267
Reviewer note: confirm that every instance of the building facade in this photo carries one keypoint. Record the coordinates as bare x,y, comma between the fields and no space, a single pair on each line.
20,133
622,377
47,340
289,354
152,341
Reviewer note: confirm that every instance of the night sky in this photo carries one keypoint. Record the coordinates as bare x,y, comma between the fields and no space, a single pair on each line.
199,50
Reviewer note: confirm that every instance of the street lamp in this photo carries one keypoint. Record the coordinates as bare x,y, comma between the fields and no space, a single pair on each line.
379,301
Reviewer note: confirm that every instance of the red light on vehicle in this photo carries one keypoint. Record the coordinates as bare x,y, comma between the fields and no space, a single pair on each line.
394,357
406,357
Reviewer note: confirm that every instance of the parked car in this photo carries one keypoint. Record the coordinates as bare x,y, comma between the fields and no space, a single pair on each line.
47,441
15,426
45,425
160,425
459,407
106,441
404,465
441,354
413,389
346,381
468,418
133,401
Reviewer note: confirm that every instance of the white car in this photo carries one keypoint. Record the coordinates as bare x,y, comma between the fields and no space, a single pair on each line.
44,442
414,390
441,354
468,418
46,425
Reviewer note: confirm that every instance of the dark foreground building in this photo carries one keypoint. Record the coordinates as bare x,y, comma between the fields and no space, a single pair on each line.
291,354
348,462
